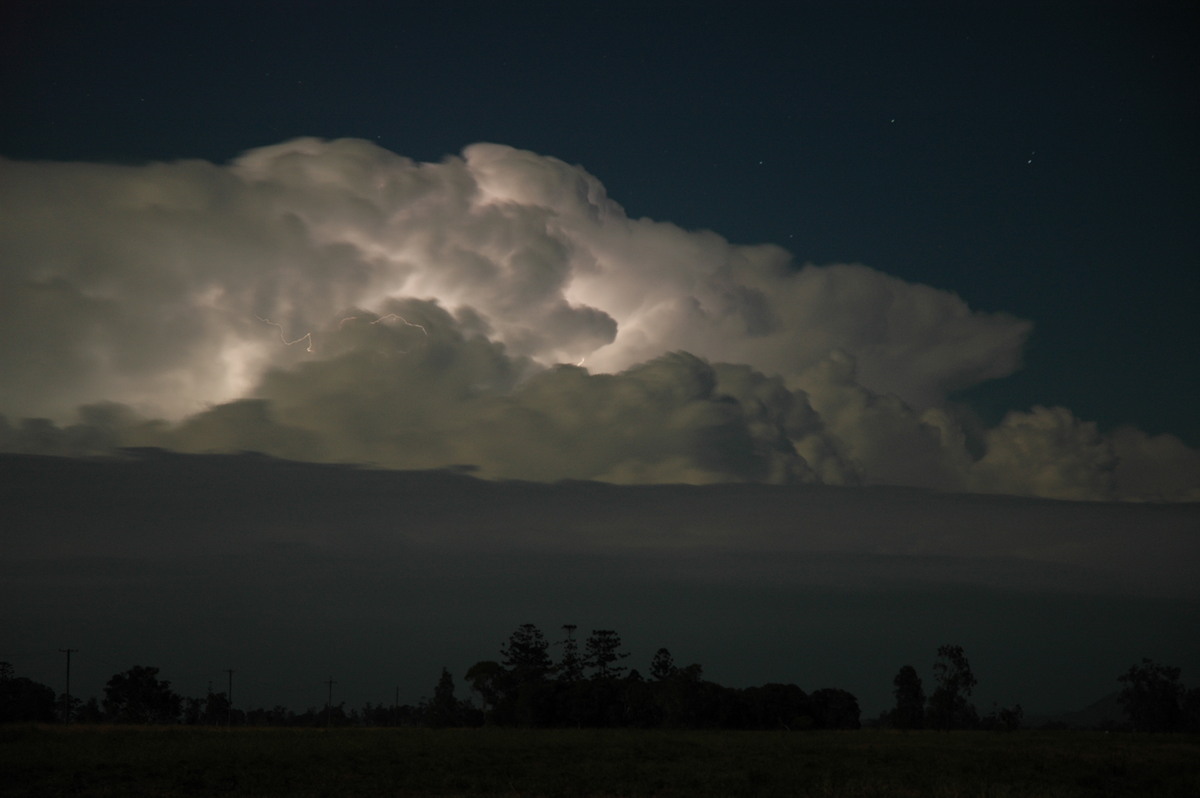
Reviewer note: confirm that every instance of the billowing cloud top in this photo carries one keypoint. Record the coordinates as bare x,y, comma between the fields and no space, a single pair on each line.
330,300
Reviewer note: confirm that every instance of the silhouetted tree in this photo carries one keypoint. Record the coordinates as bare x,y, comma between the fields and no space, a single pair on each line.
525,654
377,714
1003,718
527,698
638,706
832,708
570,667
1152,696
1191,710
91,711
488,679
23,699
519,692
276,716
601,653
574,703
335,715
444,709
910,699
216,708
138,696
678,697
193,711
948,706
69,705
775,706
662,667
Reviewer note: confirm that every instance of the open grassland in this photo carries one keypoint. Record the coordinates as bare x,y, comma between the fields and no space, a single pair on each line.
183,761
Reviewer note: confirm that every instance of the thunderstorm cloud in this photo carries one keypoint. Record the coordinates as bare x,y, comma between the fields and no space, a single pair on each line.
333,301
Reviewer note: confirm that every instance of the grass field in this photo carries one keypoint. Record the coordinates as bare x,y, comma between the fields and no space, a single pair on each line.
183,761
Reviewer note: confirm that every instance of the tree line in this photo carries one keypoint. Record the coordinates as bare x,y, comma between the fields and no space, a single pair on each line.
589,686
1152,696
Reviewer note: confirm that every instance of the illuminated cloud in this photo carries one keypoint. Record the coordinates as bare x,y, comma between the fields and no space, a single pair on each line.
330,300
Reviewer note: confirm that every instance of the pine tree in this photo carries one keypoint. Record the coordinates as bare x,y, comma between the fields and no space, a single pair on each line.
602,654
525,654
443,710
570,667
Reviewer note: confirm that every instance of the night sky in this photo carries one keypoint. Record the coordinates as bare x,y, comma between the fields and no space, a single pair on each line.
935,255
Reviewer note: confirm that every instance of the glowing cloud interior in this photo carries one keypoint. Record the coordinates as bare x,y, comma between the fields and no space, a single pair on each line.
331,300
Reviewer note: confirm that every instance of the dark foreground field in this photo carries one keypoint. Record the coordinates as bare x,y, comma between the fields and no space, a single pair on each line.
112,761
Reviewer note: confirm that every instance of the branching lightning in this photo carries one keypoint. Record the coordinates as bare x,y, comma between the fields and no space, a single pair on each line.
388,317
403,320
307,336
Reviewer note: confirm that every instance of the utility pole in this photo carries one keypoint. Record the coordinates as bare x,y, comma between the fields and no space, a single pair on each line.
67,695
229,710
329,701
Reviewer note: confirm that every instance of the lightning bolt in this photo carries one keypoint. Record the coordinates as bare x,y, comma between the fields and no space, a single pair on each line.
389,316
403,321
307,336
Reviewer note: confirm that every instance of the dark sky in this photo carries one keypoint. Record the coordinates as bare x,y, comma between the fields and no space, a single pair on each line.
1035,158
291,573
958,404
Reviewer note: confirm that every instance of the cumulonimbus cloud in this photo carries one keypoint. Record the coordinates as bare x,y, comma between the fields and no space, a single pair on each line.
331,300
